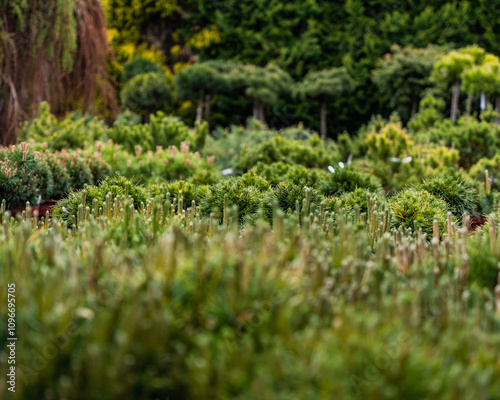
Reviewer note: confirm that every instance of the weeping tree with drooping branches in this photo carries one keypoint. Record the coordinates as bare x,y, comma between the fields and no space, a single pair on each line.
54,51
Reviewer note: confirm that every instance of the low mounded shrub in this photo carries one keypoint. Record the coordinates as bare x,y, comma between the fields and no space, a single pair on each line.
347,180
460,195
416,209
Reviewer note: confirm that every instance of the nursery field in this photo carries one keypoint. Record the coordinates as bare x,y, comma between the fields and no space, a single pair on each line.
249,199
251,263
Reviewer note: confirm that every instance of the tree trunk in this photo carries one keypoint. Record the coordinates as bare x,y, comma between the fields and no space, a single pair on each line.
469,104
199,110
414,108
323,119
482,101
208,99
454,101
262,117
256,110
146,117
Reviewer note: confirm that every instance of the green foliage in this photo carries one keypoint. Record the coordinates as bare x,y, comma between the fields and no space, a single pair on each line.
283,172
73,207
324,84
403,75
417,209
262,85
146,93
24,176
162,131
483,78
309,153
200,79
477,171
459,194
430,113
232,192
450,66
292,198
71,132
162,165
483,268
348,180
473,139
138,66
190,192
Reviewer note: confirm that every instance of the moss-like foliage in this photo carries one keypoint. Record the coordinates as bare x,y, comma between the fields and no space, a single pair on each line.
416,209
459,194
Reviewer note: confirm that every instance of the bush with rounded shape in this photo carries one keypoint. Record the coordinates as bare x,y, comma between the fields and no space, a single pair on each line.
287,195
189,191
359,197
248,199
138,66
347,180
146,93
24,176
309,153
416,208
117,186
460,196
282,172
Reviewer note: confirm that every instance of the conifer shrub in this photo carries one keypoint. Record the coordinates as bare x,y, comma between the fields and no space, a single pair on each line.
460,195
359,197
60,175
473,139
281,172
239,192
477,171
69,133
146,93
415,209
190,192
483,264
347,180
162,131
430,112
310,153
25,176
67,209
288,196
78,168
138,66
